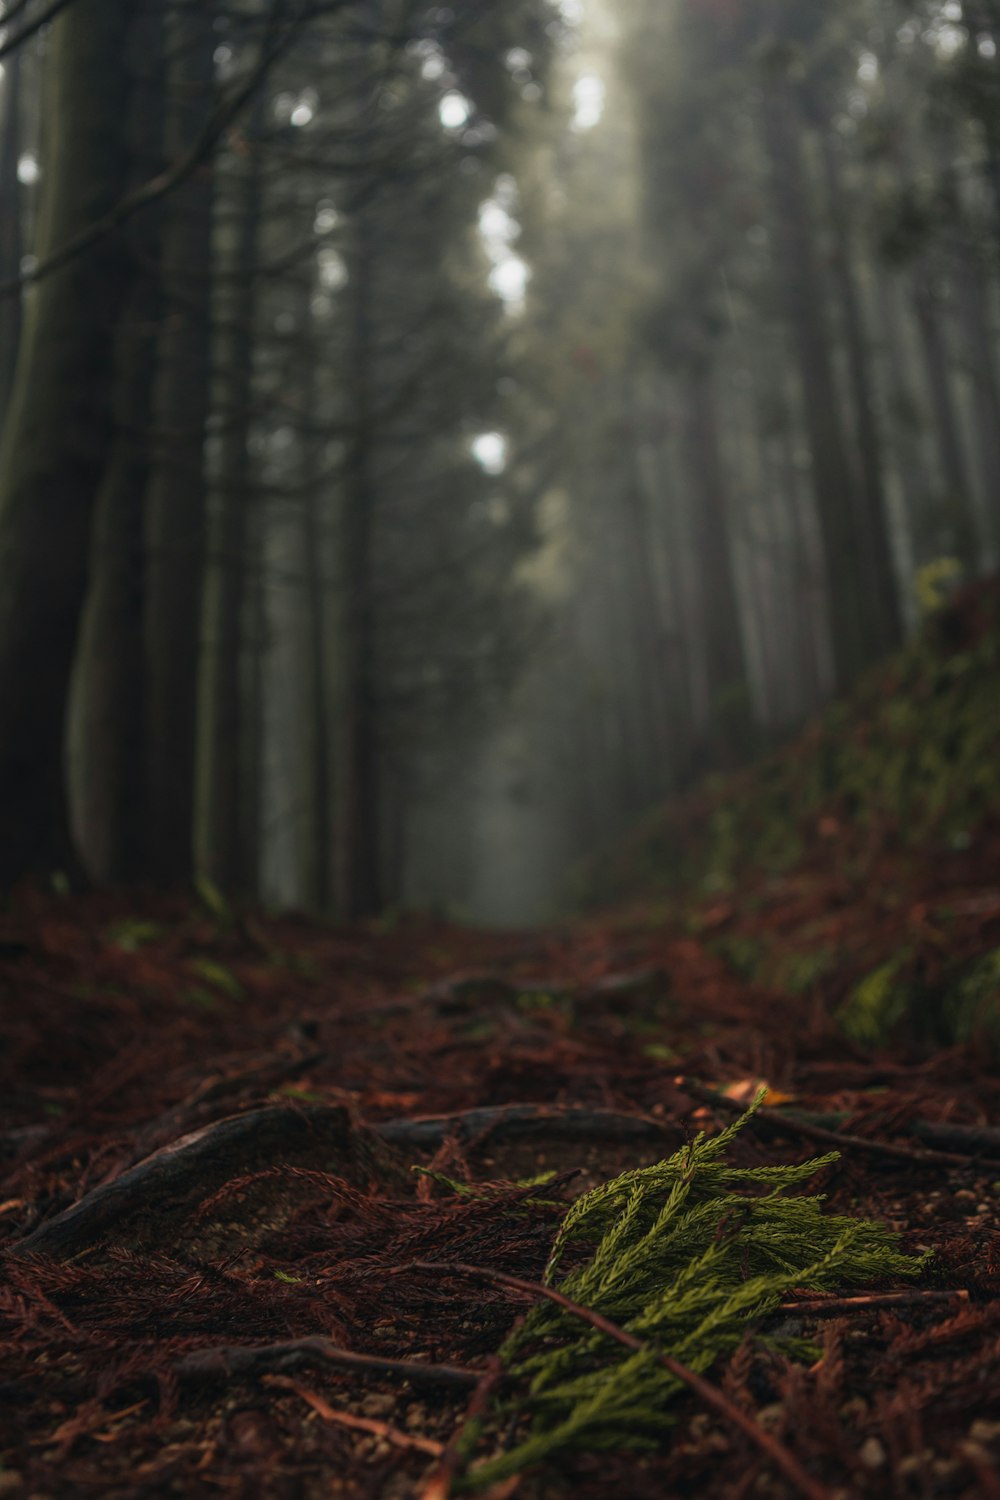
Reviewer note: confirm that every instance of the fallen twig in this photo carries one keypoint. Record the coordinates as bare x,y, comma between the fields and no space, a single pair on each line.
225,1361
781,1456
976,1140
791,1124
835,1307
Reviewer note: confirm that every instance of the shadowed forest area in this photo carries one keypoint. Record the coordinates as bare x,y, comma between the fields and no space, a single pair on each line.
500,749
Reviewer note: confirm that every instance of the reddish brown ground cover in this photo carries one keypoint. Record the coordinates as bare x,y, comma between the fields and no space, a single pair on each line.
194,1325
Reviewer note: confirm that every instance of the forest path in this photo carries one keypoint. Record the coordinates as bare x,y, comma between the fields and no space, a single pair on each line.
209,1129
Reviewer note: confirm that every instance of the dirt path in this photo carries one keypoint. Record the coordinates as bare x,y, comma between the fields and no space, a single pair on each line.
207,1203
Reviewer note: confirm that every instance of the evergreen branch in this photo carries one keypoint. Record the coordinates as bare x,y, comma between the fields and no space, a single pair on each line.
710,1394
680,1262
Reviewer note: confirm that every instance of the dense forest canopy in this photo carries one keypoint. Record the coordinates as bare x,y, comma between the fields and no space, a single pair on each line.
434,434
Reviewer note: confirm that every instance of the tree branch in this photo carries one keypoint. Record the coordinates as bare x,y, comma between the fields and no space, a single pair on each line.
165,182
30,28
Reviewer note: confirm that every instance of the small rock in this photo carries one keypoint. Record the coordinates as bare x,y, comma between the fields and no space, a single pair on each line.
11,1482
975,1453
913,1463
772,1416
872,1454
377,1405
985,1431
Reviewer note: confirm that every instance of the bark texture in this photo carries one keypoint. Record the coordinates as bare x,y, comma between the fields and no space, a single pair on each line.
59,424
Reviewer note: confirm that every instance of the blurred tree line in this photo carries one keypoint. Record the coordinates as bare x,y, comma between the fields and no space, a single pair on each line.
415,415
246,605
779,376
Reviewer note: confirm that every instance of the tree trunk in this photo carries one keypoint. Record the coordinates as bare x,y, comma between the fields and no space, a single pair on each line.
358,811
884,621
947,428
11,236
651,631
973,294
805,311
229,780
319,824
55,444
107,739
175,511
721,627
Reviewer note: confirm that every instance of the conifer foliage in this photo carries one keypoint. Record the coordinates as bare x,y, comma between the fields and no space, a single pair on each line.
685,1255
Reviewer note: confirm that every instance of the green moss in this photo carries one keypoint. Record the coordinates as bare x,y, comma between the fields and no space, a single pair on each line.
218,976
132,933
874,1009
912,757
798,973
743,953
969,1008
892,1005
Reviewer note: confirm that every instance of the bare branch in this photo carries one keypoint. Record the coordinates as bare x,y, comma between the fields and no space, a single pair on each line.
165,182
30,28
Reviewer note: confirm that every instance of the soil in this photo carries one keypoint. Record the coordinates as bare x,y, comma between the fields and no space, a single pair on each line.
214,1242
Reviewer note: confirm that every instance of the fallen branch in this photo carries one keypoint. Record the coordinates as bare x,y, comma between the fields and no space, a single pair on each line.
976,1140
836,1307
223,1362
775,1450
159,1194
790,1124
568,1122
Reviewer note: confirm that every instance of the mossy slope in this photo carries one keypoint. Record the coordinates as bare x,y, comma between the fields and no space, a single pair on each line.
883,817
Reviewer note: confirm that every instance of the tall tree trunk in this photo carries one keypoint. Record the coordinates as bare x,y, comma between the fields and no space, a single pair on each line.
806,314
983,20
884,618
947,427
651,628
175,509
319,824
809,641
228,778
358,811
55,442
672,666
721,627
974,297
107,730
11,236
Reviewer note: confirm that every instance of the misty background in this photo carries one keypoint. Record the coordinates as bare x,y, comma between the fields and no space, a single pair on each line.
435,435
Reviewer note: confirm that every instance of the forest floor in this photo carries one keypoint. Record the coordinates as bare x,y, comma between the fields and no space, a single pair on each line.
182,1330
